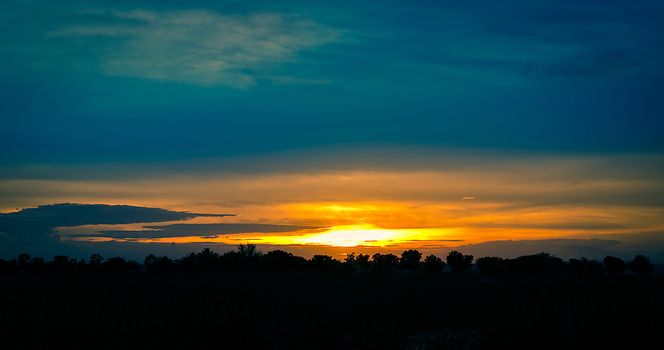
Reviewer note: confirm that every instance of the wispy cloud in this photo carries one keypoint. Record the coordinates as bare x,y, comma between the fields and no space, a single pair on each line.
200,47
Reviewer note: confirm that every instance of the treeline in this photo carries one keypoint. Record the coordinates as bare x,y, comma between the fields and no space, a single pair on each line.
248,258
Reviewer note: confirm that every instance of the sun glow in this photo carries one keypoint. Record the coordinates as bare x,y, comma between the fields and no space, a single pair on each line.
363,235
337,236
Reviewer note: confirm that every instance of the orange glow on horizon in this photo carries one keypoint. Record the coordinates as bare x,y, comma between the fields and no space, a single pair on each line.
412,208
339,236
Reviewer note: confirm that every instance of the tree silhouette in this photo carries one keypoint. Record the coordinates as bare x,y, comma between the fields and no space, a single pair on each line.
459,262
614,265
149,261
324,263
356,263
362,260
584,266
62,262
206,260
350,262
350,258
248,258
153,263
491,265
640,264
410,260
536,263
23,260
37,263
384,262
119,264
279,260
115,264
433,264
96,260
248,250
320,303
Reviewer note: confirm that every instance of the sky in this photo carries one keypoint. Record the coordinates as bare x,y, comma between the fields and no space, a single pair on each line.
495,128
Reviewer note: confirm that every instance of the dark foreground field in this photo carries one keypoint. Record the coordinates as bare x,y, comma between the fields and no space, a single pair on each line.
318,310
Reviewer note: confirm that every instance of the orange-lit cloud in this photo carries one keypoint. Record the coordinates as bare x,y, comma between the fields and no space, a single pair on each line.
549,197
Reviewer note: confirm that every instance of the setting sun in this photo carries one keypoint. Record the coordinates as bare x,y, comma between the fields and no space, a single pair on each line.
364,235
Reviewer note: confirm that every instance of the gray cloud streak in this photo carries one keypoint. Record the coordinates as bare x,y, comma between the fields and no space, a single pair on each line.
199,46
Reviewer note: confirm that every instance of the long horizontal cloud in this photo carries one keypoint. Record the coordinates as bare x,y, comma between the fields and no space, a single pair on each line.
39,223
33,230
179,230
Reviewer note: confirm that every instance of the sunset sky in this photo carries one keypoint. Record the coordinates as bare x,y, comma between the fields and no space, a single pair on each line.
495,128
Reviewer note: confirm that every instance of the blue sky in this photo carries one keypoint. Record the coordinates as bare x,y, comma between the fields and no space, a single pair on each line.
124,81
548,115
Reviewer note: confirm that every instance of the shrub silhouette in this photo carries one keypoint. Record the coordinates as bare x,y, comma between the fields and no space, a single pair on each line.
459,262
410,260
433,264
614,265
640,264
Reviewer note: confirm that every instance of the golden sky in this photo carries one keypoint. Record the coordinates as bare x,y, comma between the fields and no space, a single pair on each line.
450,201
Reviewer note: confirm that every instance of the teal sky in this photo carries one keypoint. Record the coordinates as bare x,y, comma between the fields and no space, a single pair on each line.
118,81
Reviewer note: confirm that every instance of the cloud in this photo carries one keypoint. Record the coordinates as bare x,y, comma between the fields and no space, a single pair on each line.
182,230
594,248
532,195
38,230
200,47
39,222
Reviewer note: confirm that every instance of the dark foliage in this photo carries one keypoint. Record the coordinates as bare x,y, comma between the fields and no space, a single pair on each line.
324,263
614,265
491,265
248,300
640,264
357,263
459,262
384,263
584,266
279,260
410,260
433,264
541,263
158,264
248,258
